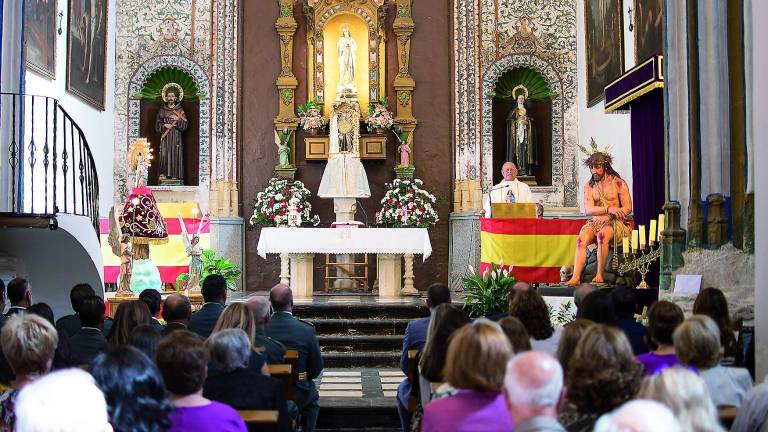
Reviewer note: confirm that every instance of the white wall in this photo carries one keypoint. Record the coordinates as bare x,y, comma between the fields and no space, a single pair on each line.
607,129
98,126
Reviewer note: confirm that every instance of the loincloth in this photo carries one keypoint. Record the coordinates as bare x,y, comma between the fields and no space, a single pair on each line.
621,229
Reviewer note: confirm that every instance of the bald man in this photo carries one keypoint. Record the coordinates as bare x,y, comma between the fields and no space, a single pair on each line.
177,312
533,387
273,351
509,190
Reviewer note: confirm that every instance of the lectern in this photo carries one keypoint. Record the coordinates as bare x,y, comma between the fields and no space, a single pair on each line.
513,210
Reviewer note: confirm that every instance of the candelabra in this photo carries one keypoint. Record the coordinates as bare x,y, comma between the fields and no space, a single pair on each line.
639,260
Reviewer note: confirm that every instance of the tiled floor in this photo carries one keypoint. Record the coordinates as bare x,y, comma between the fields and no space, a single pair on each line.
362,383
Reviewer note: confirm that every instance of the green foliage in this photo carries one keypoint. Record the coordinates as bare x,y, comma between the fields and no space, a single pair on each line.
303,109
487,293
564,314
214,265
153,85
538,88
373,104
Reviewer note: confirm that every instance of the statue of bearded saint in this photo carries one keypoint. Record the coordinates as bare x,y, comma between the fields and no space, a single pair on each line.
521,138
346,48
170,123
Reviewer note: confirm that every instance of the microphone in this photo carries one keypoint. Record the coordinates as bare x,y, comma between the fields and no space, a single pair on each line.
498,187
360,206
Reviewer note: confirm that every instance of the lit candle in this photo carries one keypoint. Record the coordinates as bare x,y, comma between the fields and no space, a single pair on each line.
652,234
642,236
634,240
625,245
662,225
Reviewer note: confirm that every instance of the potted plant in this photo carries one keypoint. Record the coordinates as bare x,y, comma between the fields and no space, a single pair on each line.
213,264
487,293
271,205
311,117
379,117
407,204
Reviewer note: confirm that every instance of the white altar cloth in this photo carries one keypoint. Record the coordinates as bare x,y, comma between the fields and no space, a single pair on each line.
397,241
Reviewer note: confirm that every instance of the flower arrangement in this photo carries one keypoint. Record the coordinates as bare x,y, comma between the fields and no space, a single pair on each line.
379,116
487,293
311,116
407,204
271,206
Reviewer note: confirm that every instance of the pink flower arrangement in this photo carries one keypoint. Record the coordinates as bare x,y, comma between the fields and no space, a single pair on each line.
379,116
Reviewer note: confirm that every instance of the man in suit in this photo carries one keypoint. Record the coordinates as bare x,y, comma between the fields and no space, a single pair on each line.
274,351
20,296
299,335
214,298
70,324
534,392
414,338
625,304
88,341
152,298
177,312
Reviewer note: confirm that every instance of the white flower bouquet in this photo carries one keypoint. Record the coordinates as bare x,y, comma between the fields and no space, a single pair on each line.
271,205
379,116
311,116
407,204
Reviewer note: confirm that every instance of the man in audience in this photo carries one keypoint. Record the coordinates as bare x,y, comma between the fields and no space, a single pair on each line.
20,296
299,335
579,293
214,297
639,416
152,298
88,341
274,351
70,324
414,339
177,311
533,387
64,401
624,303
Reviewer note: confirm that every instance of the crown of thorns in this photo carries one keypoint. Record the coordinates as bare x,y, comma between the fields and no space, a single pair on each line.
596,156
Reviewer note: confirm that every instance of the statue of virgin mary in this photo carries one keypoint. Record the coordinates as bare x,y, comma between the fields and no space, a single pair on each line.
346,48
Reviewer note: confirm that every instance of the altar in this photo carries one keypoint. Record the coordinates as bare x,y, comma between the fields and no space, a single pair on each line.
298,246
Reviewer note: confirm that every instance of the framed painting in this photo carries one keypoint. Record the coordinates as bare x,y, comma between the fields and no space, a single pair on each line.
40,37
604,43
649,24
87,50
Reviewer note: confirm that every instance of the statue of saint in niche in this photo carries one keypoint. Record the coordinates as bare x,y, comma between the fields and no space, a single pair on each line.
346,48
521,135
171,122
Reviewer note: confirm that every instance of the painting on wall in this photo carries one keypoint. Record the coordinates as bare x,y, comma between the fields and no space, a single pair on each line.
87,50
649,24
605,53
40,37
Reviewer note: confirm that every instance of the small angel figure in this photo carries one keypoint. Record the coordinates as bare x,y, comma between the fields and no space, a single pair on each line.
140,159
194,252
126,266
404,149
283,144
142,170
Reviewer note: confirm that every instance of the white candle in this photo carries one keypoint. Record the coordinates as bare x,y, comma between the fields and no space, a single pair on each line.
662,225
652,235
642,236
634,240
625,245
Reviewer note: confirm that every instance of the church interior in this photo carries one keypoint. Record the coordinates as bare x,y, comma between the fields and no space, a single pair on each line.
357,193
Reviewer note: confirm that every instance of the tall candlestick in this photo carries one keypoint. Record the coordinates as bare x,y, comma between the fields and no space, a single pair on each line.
625,245
634,240
652,235
642,236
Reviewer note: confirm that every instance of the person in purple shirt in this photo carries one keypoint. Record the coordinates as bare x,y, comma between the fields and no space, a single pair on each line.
479,405
663,319
183,359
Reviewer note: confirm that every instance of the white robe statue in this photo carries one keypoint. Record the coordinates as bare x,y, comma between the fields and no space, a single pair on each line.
344,175
346,48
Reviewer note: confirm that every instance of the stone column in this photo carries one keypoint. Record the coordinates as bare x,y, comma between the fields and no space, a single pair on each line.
390,275
408,287
301,275
286,81
404,83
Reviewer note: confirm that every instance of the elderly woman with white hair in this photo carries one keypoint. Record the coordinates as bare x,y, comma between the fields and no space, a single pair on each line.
237,385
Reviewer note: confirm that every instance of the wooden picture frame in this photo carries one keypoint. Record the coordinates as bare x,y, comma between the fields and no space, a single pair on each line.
649,29
40,37
87,50
604,33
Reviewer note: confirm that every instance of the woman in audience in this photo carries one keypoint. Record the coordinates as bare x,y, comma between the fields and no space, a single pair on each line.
446,319
145,339
602,374
61,358
477,359
129,315
572,332
29,343
133,388
697,344
183,361
686,394
663,319
237,385
599,308
753,413
516,333
712,302
237,315
529,307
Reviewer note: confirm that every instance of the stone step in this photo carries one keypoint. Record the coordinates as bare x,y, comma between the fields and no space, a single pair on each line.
407,309
358,343
368,359
376,326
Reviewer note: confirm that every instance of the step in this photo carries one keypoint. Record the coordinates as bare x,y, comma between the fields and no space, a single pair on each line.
366,359
378,326
357,343
350,310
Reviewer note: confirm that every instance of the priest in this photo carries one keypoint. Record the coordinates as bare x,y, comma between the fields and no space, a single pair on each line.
509,190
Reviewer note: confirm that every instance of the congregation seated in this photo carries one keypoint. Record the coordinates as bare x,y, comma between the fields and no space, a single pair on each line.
177,311
529,307
236,384
133,389
712,303
238,316
753,412
569,340
625,302
598,307
272,350
182,360
446,320
70,324
639,416
214,297
88,340
153,299
516,333
663,319
130,315
533,388
697,344
145,339
19,293
479,404
579,293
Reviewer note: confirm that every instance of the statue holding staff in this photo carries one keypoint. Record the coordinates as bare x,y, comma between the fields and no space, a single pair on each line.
171,121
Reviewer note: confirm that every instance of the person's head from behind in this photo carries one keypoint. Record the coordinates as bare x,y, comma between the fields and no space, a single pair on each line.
697,342
129,315
437,294
624,302
145,339
712,303
182,360
663,319
516,333
446,319
63,401
569,340
152,298
533,386
91,311
259,307
281,298
19,292
78,293
42,310
133,389
639,416
581,292
237,315
214,289
598,307
29,343
603,372
529,307
482,339
177,308
230,349
686,394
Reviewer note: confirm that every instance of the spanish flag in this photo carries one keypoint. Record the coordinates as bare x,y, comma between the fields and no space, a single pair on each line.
535,248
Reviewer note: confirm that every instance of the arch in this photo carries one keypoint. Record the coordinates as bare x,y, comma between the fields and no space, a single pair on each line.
203,84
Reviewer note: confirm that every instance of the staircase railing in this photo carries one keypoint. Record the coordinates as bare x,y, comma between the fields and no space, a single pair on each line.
50,164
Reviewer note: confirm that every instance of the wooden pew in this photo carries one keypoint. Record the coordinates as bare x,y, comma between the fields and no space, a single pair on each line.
291,357
260,420
413,378
283,372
